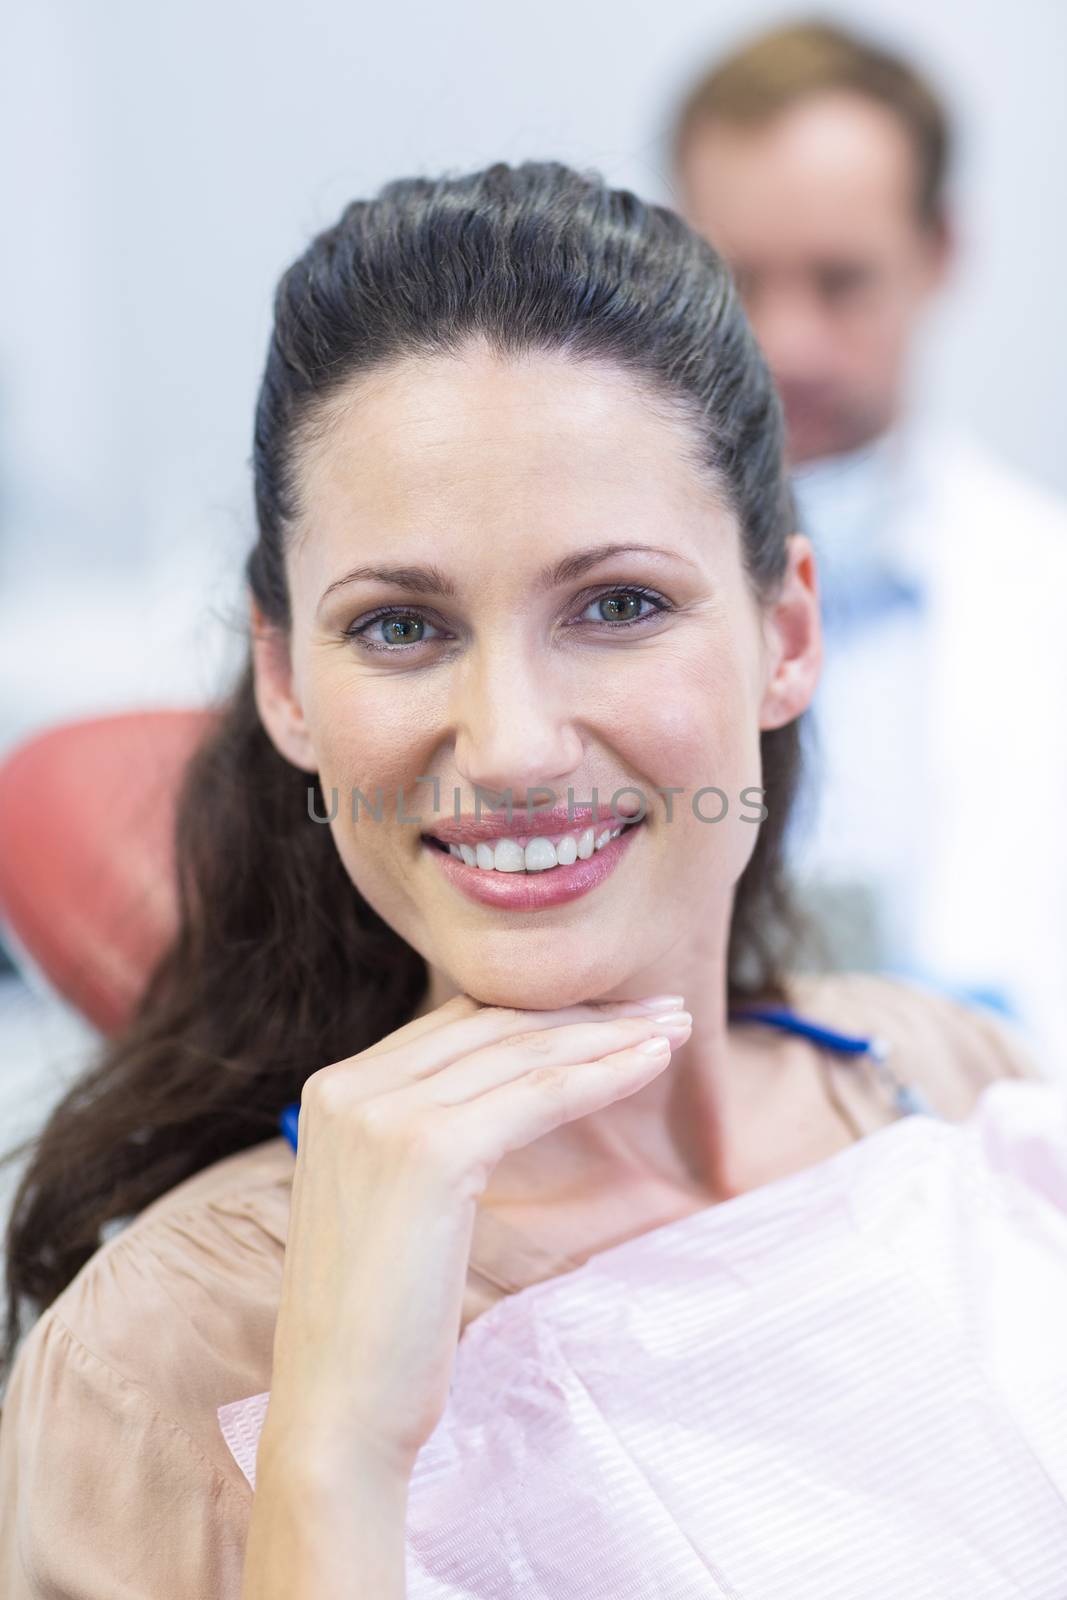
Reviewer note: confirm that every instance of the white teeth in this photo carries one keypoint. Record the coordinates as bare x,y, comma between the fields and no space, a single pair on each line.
538,855
508,856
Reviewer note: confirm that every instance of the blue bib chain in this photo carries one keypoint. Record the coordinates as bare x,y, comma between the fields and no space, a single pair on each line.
288,1122
907,1100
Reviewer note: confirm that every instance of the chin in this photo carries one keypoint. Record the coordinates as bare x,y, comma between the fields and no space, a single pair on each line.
811,444
546,986
818,439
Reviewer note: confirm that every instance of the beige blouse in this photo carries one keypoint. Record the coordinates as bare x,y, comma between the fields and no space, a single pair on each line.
115,1480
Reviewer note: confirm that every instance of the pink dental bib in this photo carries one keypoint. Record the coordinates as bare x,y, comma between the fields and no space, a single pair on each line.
849,1384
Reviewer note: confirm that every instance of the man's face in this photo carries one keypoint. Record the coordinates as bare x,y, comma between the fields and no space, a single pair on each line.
816,212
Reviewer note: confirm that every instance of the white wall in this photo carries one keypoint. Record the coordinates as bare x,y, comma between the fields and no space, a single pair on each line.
162,164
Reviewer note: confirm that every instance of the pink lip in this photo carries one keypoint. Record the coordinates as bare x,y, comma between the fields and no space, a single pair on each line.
533,891
474,830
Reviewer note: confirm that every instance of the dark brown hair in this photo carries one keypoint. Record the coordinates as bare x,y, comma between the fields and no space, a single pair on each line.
776,70
279,966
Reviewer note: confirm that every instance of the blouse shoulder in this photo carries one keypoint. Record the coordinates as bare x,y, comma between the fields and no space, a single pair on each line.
114,1476
949,1049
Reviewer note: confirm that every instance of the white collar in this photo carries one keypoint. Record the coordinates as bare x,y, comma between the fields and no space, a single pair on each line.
854,505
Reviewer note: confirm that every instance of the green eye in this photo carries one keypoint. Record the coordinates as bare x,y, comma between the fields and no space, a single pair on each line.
396,631
619,608
623,606
402,630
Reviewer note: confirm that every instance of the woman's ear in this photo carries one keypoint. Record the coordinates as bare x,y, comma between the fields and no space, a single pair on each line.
276,698
793,635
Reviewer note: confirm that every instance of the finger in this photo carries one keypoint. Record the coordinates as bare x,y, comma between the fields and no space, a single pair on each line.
516,1113
571,1045
399,1062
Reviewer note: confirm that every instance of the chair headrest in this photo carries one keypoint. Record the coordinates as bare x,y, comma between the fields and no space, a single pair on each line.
87,880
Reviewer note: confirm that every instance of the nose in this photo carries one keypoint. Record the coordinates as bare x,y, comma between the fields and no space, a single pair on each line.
791,333
514,724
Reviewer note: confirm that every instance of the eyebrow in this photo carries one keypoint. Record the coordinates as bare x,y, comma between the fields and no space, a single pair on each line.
431,579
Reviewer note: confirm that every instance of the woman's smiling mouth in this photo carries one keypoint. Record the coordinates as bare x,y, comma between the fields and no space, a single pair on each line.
526,870
538,854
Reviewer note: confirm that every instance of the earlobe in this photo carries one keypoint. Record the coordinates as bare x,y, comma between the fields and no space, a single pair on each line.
277,702
794,639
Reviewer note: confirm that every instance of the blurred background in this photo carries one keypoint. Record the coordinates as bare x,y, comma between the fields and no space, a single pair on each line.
163,164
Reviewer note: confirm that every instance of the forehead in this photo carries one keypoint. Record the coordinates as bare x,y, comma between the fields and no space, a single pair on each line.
519,449
828,173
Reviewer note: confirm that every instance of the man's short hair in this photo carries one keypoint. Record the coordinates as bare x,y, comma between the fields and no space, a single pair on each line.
803,59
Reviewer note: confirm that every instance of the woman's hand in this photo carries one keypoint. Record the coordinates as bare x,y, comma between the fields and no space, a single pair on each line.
396,1146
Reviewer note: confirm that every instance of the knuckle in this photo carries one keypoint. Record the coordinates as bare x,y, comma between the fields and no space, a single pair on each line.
392,1129
326,1093
552,1080
383,1123
531,1042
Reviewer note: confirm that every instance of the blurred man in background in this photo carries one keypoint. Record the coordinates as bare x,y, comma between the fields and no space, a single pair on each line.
817,163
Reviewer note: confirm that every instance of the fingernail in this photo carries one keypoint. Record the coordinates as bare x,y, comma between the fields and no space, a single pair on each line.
663,1002
654,1047
673,1019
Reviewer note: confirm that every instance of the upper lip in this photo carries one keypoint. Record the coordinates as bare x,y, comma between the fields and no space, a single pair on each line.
558,819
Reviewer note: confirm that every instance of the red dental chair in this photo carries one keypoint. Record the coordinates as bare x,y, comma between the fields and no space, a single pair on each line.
87,897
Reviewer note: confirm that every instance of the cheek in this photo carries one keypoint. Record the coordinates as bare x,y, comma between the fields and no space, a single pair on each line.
698,730
369,739
695,724
367,735
882,326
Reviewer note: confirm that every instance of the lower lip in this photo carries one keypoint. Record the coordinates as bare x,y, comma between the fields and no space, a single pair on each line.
533,891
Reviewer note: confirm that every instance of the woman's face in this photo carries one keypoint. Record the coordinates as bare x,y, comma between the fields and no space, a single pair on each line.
567,611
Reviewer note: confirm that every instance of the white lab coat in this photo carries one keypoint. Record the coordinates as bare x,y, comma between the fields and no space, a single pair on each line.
943,730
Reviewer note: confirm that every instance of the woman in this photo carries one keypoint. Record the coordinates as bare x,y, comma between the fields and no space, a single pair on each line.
523,533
